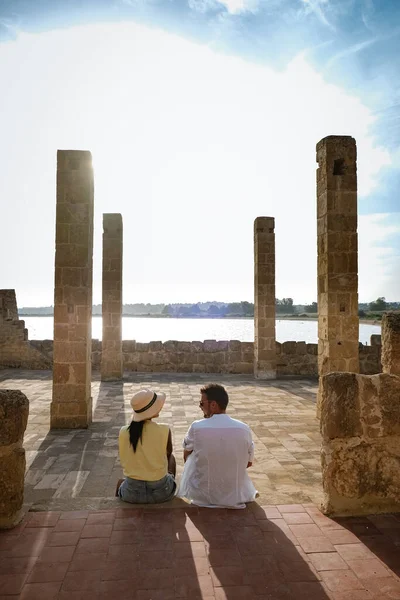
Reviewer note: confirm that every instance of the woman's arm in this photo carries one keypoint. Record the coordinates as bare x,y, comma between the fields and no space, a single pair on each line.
169,444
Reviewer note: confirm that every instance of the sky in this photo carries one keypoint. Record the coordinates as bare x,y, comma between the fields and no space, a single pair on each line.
200,115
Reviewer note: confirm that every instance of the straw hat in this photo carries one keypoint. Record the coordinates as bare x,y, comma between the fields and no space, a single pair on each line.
146,404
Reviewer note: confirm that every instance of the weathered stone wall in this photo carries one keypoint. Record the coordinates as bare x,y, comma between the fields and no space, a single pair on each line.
292,358
14,409
209,356
8,306
15,348
391,343
360,427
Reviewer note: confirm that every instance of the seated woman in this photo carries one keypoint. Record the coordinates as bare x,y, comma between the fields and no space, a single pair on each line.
145,452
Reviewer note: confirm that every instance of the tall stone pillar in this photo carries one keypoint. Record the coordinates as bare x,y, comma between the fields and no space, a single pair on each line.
111,354
337,255
390,357
71,405
14,409
264,298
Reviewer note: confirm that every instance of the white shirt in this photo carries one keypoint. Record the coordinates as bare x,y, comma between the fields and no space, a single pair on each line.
215,473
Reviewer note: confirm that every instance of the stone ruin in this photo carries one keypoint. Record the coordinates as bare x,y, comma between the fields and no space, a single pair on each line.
14,409
337,281
264,298
360,428
360,414
15,348
111,356
8,306
391,343
71,405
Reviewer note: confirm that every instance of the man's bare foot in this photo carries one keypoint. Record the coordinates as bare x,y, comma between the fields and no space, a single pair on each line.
118,486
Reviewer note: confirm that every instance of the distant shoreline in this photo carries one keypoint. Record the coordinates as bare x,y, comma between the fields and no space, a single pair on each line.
277,318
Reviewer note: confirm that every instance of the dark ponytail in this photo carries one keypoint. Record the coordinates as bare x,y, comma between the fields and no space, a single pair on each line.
135,433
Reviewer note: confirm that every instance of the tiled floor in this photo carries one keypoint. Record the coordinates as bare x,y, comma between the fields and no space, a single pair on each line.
70,470
263,553
281,547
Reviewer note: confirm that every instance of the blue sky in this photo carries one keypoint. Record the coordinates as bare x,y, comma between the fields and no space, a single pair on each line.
201,115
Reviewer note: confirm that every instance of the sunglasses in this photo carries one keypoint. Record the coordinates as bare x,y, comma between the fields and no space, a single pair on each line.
201,403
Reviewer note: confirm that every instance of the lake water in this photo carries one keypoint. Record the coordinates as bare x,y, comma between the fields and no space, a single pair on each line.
187,330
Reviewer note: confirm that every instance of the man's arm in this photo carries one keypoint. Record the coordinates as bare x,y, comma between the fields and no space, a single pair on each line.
188,443
186,454
251,451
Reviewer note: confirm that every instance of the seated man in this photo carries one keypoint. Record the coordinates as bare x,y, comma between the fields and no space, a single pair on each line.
217,452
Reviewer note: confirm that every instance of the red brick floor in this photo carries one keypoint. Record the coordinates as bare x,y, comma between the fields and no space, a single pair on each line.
262,553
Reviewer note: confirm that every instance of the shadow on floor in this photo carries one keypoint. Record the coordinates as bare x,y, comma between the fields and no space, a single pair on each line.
380,536
80,464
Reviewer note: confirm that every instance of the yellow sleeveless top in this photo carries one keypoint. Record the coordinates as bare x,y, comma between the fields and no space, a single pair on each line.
149,462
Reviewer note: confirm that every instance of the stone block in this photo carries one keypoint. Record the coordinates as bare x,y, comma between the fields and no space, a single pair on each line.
14,409
184,346
312,349
391,343
248,348
233,357
360,426
340,406
376,340
170,346
210,346
222,345
197,346
142,346
289,347
129,346
155,346
234,345
301,348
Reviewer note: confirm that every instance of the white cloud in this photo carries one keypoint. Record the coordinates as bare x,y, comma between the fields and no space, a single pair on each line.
189,145
379,256
234,7
240,6
318,8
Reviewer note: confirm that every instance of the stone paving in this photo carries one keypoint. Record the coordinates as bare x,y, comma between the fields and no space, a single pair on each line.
79,469
284,552
279,548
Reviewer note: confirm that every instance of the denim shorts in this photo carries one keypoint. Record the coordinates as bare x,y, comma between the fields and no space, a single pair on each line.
136,491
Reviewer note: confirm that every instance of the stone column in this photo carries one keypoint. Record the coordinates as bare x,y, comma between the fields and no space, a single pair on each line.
111,355
337,255
71,405
14,409
264,298
391,343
